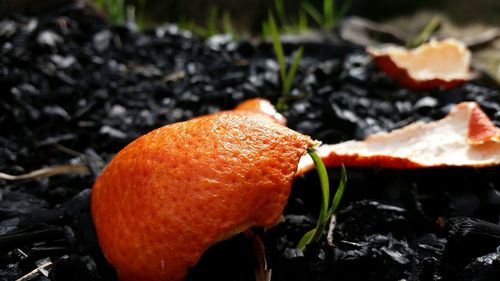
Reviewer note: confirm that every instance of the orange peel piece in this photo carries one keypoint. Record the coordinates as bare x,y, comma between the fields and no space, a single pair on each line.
465,137
442,64
172,193
264,107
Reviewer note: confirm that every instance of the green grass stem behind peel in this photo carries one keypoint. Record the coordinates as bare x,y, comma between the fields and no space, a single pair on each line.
326,212
286,74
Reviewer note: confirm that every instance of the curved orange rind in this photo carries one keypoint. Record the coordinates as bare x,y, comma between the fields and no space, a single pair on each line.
466,137
172,193
444,64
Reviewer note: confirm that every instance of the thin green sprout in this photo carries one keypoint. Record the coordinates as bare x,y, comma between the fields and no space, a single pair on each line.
227,23
286,75
325,214
425,34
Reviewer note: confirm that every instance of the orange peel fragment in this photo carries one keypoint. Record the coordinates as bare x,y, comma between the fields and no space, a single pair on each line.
442,64
264,107
465,137
172,193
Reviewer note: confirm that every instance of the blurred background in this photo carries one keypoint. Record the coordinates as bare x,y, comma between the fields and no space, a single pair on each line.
248,15
462,19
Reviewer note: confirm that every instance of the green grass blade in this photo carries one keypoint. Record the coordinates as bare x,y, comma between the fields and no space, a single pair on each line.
313,13
280,10
425,34
328,14
266,30
227,23
342,12
278,49
314,235
339,193
101,4
292,71
306,239
303,21
140,14
325,185
212,21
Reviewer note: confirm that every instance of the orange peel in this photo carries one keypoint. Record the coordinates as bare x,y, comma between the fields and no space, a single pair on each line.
172,193
263,107
465,137
442,64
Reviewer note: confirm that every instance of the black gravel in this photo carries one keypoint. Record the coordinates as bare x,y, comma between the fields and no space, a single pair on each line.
76,90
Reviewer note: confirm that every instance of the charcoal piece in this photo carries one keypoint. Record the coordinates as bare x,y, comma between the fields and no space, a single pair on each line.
489,209
52,216
463,204
10,272
31,234
7,28
382,257
74,267
296,264
15,203
220,42
63,62
395,255
245,48
429,269
78,204
369,217
484,268
49,38
428,246
112,132
469,238
85,238
102,40
425,104
56,111
355,70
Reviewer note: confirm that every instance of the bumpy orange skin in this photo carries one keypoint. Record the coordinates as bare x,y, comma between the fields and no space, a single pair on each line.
172,193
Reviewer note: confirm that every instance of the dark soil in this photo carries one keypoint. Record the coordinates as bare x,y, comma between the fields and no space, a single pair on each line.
77,90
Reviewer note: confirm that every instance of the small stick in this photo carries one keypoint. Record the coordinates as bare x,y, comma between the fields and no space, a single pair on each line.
48,172
331,227
35,272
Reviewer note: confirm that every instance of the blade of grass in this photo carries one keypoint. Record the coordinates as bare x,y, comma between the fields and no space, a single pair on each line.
227,23
425,34
313,12
325,214
278,49
306,239
280,10
328,13
303,22
292,71
339,194
212,21
315,234
140,14
342,12
266,30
